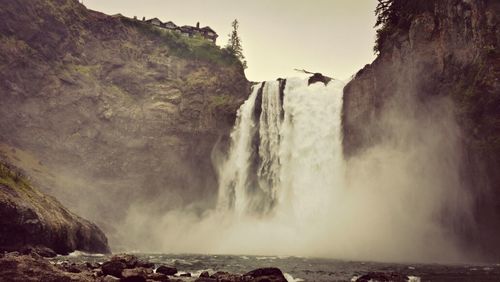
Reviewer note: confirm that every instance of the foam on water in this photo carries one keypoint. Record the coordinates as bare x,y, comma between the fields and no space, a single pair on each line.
288,160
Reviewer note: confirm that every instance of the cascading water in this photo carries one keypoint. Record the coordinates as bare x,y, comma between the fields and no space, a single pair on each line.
285,154
285,188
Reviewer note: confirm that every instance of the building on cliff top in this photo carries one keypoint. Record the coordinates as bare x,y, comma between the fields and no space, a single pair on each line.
186,30
155,21
170,25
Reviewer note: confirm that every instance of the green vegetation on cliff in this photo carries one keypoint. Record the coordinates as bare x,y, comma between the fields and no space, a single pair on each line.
193,48
15,180
394,16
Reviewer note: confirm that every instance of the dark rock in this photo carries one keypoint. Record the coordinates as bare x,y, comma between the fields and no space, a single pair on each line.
114,268
271,274
225,276
16,267
130,261
204,274
185,275
206,279
73,269
135,278
167,270
33,218
383,277
40,250
158,277
318,77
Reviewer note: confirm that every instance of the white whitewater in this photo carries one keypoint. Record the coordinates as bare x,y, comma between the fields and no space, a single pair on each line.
288,159
285,188
234,172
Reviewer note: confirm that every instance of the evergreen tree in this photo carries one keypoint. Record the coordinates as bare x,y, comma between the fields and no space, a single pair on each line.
234,44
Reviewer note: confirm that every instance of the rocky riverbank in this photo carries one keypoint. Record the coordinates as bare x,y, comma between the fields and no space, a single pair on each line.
31,266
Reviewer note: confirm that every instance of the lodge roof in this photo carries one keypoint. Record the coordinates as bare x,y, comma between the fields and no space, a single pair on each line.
207,32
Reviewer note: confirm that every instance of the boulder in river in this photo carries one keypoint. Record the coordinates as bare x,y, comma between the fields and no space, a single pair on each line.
204,274
224,276
383,277
167,270
114,268
130,261
158,277
270,274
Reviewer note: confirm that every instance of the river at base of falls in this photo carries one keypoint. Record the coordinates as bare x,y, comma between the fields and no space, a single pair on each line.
308,269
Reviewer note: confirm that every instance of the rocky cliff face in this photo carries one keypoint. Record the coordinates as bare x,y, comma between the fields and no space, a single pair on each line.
29,217
117,113
443,50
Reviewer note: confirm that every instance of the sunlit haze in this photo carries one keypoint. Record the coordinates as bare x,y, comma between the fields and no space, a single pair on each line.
334,37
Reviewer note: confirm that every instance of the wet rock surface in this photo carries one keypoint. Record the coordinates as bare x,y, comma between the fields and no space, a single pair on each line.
210,268
113,268
167,270
32,222
126,268
318,77
382,277
21,268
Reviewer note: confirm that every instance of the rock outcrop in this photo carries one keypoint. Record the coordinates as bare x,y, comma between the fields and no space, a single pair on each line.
429,51
271,274
113,112
318,77
29,217
16,267
383,277
22,268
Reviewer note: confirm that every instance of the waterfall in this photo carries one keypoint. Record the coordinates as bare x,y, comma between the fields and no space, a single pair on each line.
285,153
286,189
234,172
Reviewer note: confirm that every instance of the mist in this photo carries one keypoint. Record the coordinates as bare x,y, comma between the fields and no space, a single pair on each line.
399,200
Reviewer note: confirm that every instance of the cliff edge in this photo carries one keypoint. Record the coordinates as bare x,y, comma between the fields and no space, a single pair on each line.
121,114
430,51
31,218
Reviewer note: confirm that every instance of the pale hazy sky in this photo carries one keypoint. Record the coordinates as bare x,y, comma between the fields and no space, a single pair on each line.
334,37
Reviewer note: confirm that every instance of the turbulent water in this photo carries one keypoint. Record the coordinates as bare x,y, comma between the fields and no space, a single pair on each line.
310,269
285,157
